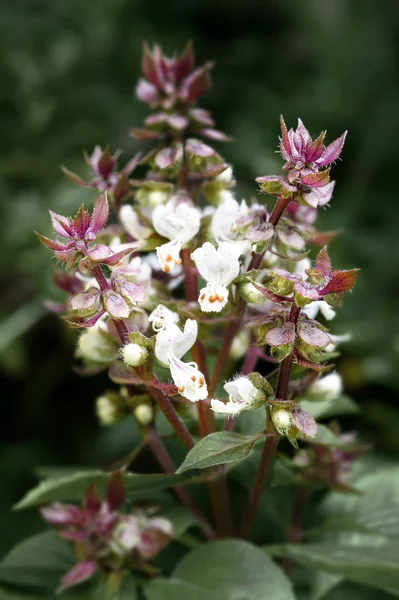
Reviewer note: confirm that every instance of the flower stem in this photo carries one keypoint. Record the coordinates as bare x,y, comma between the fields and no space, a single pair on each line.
167,465
295,532
271,441
265,464
166,406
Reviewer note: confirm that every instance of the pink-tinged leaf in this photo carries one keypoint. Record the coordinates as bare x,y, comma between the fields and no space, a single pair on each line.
73,535
115,490
132,164
61,225
147,92
260,233
132,292
197,83
285,146
81,222
152,541
213,171
152,65
312,335
86,302
123,375
270,184
320,238
51,244
177,122
185,62
306,290
100,214
319,196
115,305
113,260
54,307
279,336
99,253
145,134
286,275
158,118
92,500
332,152
121,189
79,573
315,150
198,148
323,262
61,514
340,282
201,116
167,157
68,282
270,295
106,164
304,422
316,180
311,365
215,134
67,256
74,177
84,324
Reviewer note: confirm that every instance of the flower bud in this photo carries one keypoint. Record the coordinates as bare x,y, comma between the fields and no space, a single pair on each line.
134,355
282,420
110,408
240,344
96,345
143,414
328,387
250,294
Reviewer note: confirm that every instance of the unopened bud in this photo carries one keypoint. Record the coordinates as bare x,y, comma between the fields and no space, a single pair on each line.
326,388
282,420
143,414
240,344
110,408
251,294
134,355
96,345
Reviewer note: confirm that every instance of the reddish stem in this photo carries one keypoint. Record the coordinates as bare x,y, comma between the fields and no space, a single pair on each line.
168,466
166,406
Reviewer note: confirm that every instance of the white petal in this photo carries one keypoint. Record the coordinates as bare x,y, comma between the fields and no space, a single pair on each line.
213,298
220,266
131,223
226,408
162,316
173,339
176,221
189,380
326,310
241,389
169,255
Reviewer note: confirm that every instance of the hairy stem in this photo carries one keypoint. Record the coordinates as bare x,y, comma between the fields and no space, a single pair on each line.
167,465
166,406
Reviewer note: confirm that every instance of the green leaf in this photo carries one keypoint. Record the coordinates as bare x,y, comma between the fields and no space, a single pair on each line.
375,510
223,570
39,561
376,566
324,409
217,449
72,487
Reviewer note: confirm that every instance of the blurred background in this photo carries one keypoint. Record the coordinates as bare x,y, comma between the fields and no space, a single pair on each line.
68,70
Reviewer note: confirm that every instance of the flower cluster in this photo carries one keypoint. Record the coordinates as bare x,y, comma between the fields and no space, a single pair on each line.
106,539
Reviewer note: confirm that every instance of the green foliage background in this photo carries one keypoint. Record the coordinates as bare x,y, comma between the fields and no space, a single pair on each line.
68,70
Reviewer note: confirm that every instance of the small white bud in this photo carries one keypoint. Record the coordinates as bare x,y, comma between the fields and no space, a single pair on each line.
107,412
240,344
251,294
134,355
282,420
93,345
225,176
328,387
143,414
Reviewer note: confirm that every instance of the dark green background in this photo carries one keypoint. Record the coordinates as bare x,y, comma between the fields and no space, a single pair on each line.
68,70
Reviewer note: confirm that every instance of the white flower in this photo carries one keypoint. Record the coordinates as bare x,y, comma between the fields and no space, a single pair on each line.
131,223
170,345
162,316
243,395
302,266
337,339
282,420
240,344
328,387
312,309
189,381
173,340
225,176
107,412
218,268
179,223
225,217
